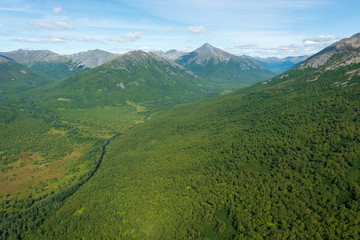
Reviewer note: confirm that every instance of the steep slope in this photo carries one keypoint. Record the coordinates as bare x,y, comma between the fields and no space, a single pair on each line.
222,68
279,160
92,58
348,47
16,78
136,76
280,65
340,59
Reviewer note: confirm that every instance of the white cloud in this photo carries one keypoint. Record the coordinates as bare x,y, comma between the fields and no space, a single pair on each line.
196,29
52,26
327,38
46,39
129,37
308,46
57,10
26,9
55,38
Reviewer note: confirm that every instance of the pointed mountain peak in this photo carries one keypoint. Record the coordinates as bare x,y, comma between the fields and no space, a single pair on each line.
206,45
207,52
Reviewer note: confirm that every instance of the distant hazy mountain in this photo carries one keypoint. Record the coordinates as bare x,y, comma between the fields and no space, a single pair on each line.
171,54
92,58
223,68
48,62
59,66
28,57
280,65
136,76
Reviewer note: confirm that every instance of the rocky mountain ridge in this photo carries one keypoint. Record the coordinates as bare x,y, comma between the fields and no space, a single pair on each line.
349,47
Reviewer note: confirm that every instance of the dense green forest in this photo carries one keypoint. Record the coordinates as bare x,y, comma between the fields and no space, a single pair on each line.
278,160
274,161
51,145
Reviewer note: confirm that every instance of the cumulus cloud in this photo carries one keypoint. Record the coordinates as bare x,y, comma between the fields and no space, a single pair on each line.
196,29
46,39
52,26
57,10
308,46
129,37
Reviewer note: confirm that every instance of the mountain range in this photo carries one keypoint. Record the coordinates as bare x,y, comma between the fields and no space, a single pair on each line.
59,66
62,66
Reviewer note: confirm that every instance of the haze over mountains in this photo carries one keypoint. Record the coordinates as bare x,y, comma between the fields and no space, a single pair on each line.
280,65
62,66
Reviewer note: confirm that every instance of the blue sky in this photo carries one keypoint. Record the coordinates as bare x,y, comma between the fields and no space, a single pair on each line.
252,27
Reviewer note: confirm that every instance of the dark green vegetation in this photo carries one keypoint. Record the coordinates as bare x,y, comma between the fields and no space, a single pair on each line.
278,160
58,70
16,78
223,69
52,136
275,161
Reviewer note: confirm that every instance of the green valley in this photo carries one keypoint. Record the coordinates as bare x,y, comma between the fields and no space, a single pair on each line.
276,160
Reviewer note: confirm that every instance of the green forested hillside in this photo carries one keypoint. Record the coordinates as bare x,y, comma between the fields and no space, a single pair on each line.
16,78
137,77
278,160
58,70
52,137
275,161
